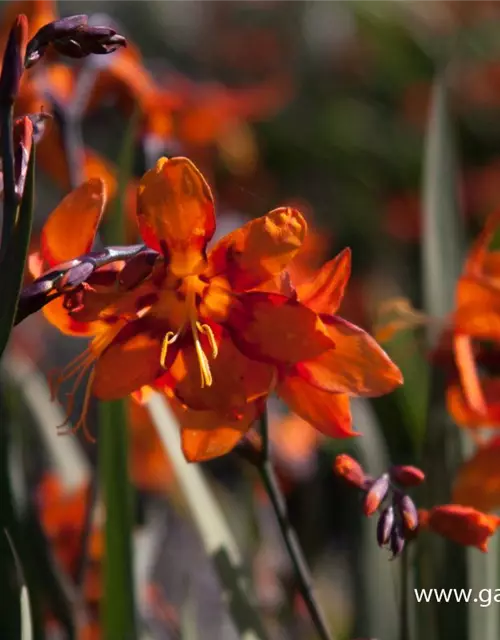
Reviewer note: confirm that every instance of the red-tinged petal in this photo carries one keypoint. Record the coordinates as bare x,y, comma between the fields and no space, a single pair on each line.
465,415
325,291
327,412
207,434
126,365
477,483
35,264
176,213
260,250
237,380
478,309
357,366
58,316
464,525
70,229
277,329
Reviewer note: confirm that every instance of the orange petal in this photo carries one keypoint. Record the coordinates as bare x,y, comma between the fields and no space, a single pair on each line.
58,316
126,365
237,380
260,249
277,329
70,229
176,213
465,415
327,412
478,480
324,293
464,525
357,366
207,434
468,373
478,254
478,308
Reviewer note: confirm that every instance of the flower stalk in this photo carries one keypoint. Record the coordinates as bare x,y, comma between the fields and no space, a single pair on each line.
294,550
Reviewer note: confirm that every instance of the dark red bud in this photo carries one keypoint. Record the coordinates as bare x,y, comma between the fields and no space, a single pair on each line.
376,495
13,61
406,475
397,541
384,526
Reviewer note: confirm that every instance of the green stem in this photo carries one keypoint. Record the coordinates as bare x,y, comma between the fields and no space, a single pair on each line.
302,572
10,203
404,631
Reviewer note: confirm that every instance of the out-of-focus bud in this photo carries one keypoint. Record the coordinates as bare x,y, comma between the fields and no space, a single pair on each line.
463,525
13,61
397,541
376,495
73,37
384,526
408,512
406,475
350,470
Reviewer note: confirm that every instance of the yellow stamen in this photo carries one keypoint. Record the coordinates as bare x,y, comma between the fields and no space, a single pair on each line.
207,331
78,368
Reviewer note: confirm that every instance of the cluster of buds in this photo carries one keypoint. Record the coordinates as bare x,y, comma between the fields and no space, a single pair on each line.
72,37
400,521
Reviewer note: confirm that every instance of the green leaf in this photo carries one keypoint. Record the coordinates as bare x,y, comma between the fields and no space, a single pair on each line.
209,520
441,564
443,233
118,603
14,259
24,599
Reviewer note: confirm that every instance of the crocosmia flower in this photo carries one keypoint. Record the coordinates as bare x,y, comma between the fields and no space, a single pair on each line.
217,330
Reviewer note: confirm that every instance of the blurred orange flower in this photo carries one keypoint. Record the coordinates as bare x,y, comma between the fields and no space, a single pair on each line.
478,480
216,332
463,525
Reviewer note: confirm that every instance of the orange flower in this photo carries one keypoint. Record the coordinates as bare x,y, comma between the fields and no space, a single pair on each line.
478,480
214,331
463,525
477,315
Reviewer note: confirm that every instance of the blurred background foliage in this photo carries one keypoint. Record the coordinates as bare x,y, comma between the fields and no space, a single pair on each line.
324,105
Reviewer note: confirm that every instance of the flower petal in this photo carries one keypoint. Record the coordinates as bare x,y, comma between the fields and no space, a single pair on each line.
176,213
276,329
478,308
327,412
70,229
465,415
478,254
58,316
325,291
259,250
126,365
477,483
208,434
237,380
357,366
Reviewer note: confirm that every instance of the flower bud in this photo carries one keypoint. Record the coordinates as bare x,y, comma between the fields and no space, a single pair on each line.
397,541
384,526
408,512
376,495
73,37
75,276
407,475
350,470
13,61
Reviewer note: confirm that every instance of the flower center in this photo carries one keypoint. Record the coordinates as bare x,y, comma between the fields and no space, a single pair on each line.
191,289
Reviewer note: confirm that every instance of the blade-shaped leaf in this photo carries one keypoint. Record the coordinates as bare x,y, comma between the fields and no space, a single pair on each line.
118,603
15,258
24,599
